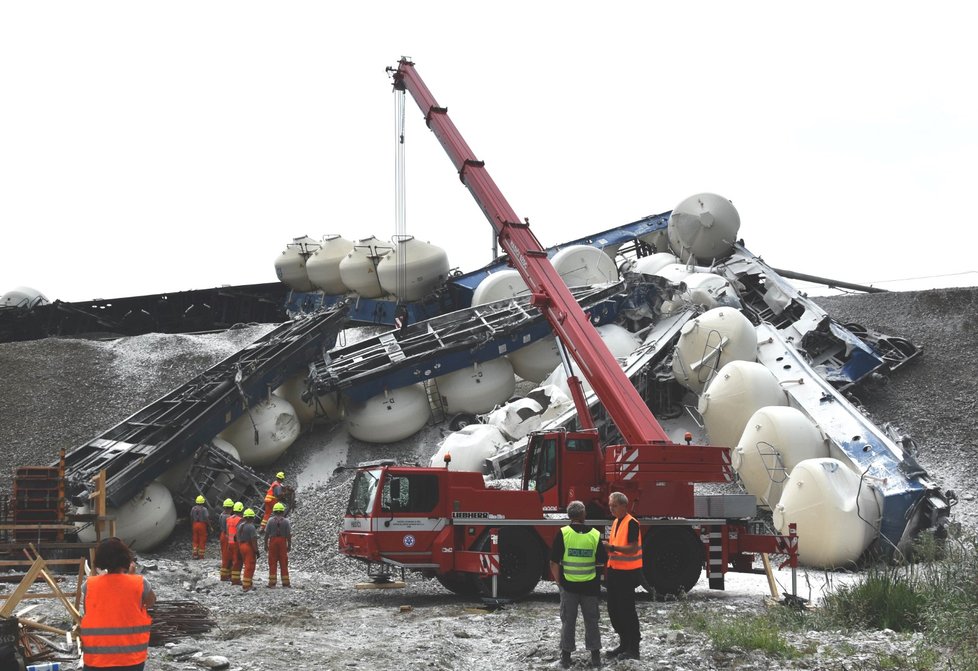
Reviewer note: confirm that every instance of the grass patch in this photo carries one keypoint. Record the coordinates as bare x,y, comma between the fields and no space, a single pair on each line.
737,632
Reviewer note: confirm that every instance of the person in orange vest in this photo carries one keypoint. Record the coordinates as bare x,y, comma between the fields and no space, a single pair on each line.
115,628
278,545
222,526
624,547
248,547
273,496
199,515
233,563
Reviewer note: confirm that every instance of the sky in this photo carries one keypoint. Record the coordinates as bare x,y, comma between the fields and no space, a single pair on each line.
148,147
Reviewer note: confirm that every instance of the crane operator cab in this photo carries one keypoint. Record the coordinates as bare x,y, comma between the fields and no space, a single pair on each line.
562,466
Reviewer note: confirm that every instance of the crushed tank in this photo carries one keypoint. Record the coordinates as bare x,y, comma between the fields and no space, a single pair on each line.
708,343
836,512
143,522
276,424
412,269
652,264
358,269
468,447
739,390
388,417
703,227
325,405
323,267
290,266
710,291
478,388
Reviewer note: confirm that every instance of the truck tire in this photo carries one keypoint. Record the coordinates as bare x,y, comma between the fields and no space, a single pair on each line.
463,584
520,563
672,560
461,420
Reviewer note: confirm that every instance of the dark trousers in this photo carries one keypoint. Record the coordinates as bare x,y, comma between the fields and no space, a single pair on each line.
621,606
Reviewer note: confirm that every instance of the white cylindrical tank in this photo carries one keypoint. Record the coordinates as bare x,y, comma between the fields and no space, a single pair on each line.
703,227
521,416
358,269
143,522
583,265
389,417
674,272
420,266
537,360
710,291
619,340
739,390
277,425
652,264
469,447
323,267
708,343
477,388
498,286
326,405
23,297
776,439
290,266
837,516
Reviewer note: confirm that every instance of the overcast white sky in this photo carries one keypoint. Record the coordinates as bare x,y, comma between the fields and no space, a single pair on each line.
150,147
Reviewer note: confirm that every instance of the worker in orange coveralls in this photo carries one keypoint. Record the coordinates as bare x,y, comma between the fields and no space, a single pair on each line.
199,515
233,563
248,547
278,545
222,527
273,496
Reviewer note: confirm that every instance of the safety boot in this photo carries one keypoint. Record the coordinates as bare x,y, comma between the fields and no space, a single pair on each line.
614,652
565,659
595,659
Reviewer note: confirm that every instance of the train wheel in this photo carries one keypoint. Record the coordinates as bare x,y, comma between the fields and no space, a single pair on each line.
520,563
461,420
672,559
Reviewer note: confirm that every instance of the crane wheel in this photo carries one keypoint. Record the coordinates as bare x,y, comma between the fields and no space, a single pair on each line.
521,560
463,584
672,560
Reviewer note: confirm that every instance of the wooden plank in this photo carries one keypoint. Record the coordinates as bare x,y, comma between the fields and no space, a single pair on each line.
42,627
11,601
770,575
75,615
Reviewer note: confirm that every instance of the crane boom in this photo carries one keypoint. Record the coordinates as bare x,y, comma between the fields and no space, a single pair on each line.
570,324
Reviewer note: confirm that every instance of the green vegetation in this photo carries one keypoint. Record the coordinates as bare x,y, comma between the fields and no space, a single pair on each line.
936,595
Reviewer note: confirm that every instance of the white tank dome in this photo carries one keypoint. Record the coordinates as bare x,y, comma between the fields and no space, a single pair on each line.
358,269
710,291
837,516
619,340
708,343
674,272
703,227
776,439
469,447
290,266
326,405
583,265
277,425
477,388
498,286
143,522
323,267
652,264
23,297
425,268
389,417
537,360
739,390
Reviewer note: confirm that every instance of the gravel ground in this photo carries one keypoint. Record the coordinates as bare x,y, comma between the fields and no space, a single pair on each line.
59,393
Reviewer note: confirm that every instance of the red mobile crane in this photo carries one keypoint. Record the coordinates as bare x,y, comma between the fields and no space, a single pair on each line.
447,523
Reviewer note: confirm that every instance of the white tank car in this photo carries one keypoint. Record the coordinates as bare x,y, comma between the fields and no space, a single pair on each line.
290,266
776,439
519,417
674,272
537,360
143,522
703,227
652,264
277,425
499,286
708,343
477,388
323,267
173,477
739,390
837,516
424,269
711,291
468,447
23,297
388,417
582,265
326,405
358,269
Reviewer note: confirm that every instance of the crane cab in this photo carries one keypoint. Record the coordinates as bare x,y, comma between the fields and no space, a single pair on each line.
563,466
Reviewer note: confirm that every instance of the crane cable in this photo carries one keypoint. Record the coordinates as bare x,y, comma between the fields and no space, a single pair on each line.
400,193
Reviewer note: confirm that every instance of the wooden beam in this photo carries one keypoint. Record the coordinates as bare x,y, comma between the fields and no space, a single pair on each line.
11,601
770,575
